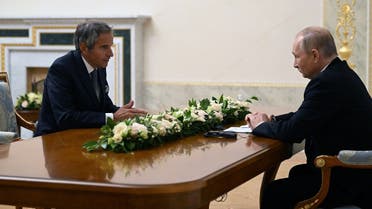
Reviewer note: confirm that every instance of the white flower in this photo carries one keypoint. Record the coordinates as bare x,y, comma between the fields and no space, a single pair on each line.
198,115
214,107
162,131
177,114
170,117
32,96
38,99
164,125
30,100
195,117
243,104
155,117
219,115
24,104
120,131
155,131
177,127
201,113
167,124
236,113
138,129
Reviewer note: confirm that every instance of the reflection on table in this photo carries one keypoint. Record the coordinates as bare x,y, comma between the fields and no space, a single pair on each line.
54,171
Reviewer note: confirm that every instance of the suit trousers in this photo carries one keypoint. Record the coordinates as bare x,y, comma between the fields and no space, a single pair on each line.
304,182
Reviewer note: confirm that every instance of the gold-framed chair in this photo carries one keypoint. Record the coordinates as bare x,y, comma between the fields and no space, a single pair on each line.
10,120
347,159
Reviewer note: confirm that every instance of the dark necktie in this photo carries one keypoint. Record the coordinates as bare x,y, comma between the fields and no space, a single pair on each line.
94,78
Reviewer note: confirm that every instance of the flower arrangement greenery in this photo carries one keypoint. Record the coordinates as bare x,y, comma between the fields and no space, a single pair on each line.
29,101
152,130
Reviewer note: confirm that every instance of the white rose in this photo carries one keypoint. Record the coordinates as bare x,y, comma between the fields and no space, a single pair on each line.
169,117
243,104
139,129
24,104
216,107
219,115
177,127
200,115
162,130
38,99
166,124
236,113
196,117
120,131
31,96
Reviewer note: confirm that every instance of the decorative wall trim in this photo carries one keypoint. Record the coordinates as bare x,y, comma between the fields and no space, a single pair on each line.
44,34
250,84
160,96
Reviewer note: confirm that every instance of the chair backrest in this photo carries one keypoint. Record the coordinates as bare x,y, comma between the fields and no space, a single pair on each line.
8,121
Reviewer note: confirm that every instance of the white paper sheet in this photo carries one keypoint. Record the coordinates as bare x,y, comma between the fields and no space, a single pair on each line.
240,129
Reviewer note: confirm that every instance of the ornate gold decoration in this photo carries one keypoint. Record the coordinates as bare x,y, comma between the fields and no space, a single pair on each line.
345,29
320,162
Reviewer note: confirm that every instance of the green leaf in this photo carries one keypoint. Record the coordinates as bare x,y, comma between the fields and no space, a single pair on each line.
221,99
130,145
90,145
254,98
204,104
192,103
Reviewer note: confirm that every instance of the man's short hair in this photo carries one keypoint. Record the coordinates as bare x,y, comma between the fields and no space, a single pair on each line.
88,33
318,38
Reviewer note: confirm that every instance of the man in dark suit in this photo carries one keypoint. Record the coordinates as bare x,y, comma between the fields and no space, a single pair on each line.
336,114
76,90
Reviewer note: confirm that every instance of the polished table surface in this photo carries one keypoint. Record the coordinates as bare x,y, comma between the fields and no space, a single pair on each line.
54,171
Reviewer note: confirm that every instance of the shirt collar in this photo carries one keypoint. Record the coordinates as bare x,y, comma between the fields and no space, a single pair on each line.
327,65
87,65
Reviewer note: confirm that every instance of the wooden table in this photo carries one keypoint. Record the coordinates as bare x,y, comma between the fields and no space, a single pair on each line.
54,171
29,115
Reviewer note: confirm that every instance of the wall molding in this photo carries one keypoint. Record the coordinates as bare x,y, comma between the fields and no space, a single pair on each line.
43,34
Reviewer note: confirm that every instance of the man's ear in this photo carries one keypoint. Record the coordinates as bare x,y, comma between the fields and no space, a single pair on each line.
83,47
316,55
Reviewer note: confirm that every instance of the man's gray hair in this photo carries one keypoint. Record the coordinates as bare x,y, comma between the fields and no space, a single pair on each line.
318,38
88,33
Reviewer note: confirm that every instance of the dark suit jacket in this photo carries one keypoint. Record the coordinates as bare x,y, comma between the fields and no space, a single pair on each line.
69,99
336,114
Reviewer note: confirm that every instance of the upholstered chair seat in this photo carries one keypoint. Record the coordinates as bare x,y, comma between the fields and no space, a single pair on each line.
10,120
352,159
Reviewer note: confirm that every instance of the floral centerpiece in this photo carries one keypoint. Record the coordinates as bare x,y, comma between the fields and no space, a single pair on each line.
152,130
29,101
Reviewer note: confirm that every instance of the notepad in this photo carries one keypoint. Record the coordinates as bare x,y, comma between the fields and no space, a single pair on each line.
240,129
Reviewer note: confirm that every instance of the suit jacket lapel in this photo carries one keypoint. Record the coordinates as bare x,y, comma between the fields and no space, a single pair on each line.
85,77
